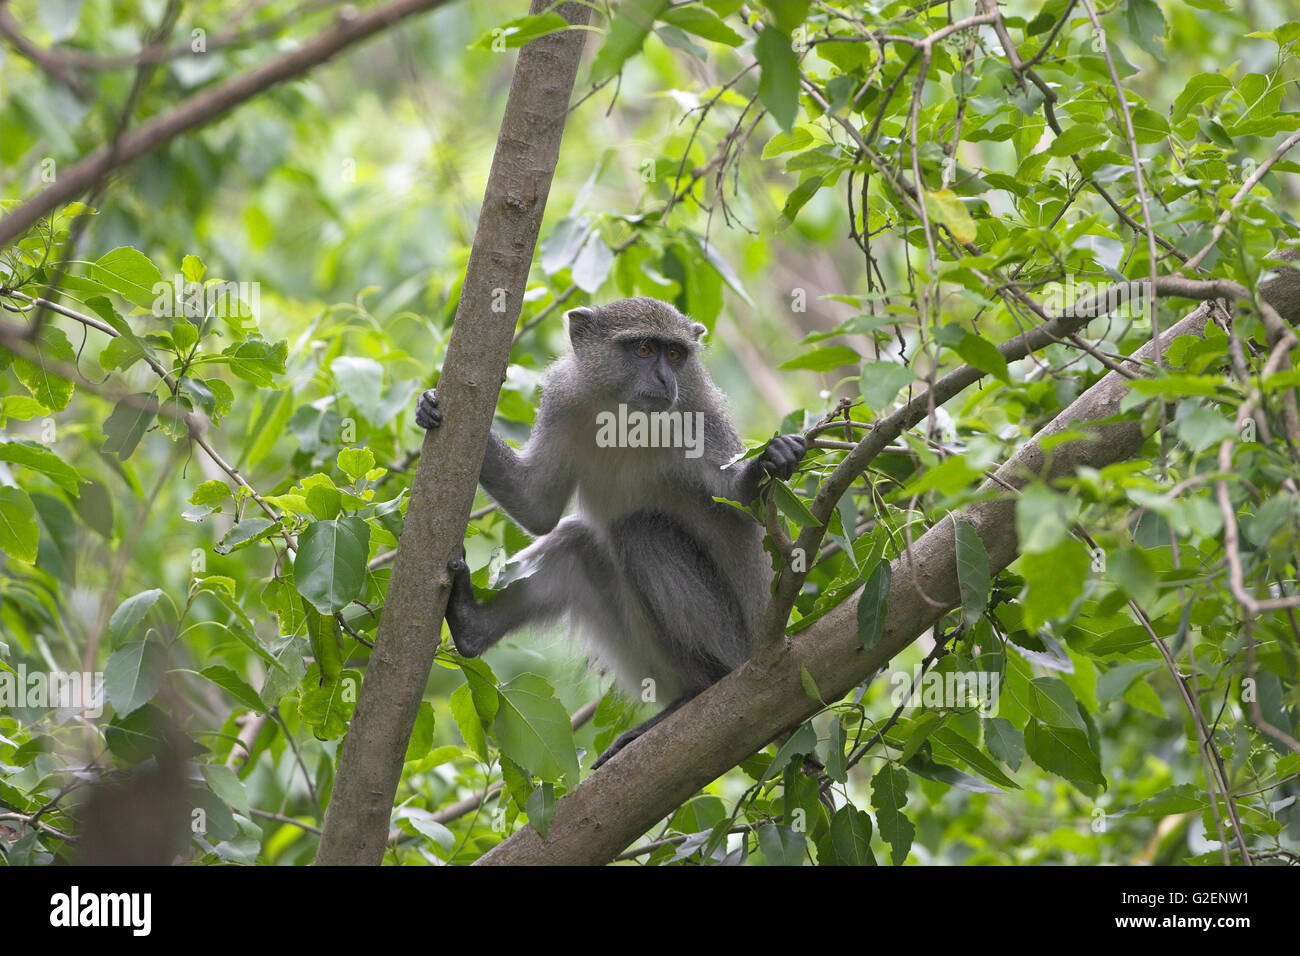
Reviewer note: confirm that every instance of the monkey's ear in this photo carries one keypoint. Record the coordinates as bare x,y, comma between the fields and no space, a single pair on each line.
698,330
581,323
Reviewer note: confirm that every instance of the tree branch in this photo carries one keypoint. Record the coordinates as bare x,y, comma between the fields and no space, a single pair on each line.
442,491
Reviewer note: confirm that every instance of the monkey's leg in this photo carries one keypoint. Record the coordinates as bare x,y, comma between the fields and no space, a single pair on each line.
694,616
573,569
689,610
628,736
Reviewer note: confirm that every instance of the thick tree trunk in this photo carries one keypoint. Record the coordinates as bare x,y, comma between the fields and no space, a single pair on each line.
357,820
745,710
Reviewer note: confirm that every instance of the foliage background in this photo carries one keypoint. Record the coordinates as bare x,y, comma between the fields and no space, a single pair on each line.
348,199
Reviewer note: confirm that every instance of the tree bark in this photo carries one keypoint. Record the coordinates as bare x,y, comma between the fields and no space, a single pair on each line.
752,705
442,491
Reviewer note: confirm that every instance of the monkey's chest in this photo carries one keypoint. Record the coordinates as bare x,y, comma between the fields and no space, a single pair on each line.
614,482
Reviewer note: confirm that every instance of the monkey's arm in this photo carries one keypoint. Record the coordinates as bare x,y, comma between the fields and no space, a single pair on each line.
779,459
531,486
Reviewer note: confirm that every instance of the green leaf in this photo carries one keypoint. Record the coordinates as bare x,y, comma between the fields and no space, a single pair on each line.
1178,385
130,419
851,837
947,742
540,808
1054,580
533,729
468,721
24,408
824,359
521,30
245,533
888,796
836,759
809,685
1052,702
1004,741
95,507
1040,520
781,845
330,567
355,462
130,274
1116,680
703,23
984,355
421,742
881,381
193,269
1065,752
130,613
798,138
235,686
133,674
225,783
873,605
257,361
778,86
39,458
51,350
949,477
803,741
791,506
788,14
1197,89
361,380
326,639
324,501
1079,139
633,20
591,267
946,208
210,492
19,533
1183,798
329,707
972,572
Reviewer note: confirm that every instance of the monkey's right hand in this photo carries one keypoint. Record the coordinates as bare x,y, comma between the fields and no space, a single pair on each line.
427,412
782,455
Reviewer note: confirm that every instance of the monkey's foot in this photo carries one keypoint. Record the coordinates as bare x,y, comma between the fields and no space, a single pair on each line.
427,413
619,743
461,608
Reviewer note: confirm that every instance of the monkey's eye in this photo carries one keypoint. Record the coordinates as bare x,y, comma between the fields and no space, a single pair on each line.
643,349
673,354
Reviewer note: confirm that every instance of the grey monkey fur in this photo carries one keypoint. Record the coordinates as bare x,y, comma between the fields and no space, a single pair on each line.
660,581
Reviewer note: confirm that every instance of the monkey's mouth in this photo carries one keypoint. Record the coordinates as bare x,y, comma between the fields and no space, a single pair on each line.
653,401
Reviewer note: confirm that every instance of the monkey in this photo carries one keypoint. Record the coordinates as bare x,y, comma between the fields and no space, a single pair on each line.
661,581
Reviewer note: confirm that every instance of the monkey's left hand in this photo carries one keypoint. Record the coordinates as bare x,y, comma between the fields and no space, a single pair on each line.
782,455
427,413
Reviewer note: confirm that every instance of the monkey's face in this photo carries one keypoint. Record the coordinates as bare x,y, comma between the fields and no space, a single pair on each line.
652,366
